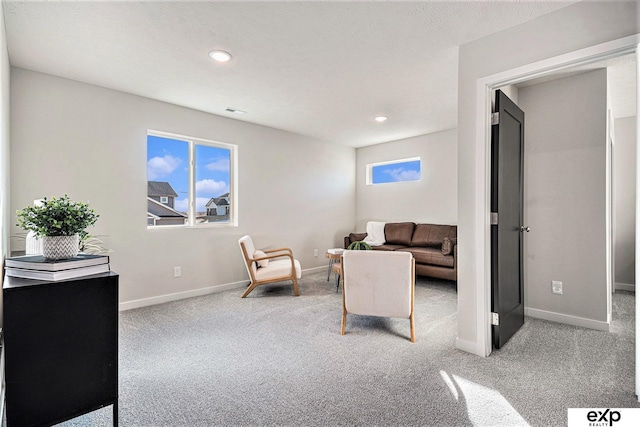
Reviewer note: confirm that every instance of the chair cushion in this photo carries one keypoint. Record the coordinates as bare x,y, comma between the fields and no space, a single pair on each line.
432,256
398,233
247,243
448,244
432,234
261,254
279,268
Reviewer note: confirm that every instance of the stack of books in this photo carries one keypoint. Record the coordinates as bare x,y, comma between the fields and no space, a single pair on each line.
335,251
39,268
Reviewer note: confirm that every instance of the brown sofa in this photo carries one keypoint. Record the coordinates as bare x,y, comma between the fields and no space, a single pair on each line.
434,247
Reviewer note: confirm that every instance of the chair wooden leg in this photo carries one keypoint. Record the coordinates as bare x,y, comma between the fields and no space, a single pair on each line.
251,287
412,323
296,292
344,321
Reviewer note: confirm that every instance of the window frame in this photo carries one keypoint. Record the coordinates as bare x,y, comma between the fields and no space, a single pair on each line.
370,166
233,180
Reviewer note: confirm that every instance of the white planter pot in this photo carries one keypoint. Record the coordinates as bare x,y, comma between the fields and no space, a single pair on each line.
60,247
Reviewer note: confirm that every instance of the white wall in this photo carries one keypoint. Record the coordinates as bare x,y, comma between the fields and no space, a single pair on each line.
5,216
90,142
625,200
433,199
569,29
565,199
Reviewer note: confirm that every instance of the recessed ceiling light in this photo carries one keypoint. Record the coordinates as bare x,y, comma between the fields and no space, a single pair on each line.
220,55
233,110
381,119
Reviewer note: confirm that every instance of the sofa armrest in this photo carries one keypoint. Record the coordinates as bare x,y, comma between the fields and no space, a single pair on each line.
353,237
455,259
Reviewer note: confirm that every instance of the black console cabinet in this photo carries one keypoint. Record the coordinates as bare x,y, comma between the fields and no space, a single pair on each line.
61,348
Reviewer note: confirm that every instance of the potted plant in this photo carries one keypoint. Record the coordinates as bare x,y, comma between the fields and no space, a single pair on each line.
60,222
359,246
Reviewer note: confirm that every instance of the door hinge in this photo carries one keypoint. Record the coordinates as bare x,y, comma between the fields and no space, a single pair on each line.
495,319
493,218
495,118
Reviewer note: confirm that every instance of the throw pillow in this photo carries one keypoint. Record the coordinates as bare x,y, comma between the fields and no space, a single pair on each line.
447,245
260,254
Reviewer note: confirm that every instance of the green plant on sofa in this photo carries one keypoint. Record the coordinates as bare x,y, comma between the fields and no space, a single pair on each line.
359,246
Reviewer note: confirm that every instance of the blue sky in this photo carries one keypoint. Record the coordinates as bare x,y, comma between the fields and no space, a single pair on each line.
168,160
396,172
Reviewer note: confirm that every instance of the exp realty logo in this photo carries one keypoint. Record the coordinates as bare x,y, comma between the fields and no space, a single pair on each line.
603,417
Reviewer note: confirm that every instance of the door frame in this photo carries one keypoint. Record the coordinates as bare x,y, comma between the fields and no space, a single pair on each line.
482,258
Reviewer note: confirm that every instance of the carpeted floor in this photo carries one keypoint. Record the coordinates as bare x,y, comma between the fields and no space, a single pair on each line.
274,359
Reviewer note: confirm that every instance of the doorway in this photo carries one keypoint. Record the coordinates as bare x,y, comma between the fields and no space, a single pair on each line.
627,45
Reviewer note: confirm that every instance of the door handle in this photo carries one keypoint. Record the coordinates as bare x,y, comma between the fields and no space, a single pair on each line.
523,228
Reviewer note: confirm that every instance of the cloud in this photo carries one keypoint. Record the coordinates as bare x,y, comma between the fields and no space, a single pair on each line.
402,174
158,167
181,205
221,165
201,203
211,187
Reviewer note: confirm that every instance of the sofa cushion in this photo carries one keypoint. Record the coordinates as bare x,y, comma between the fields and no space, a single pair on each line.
398,233
432,256
386,247
447,245
432,235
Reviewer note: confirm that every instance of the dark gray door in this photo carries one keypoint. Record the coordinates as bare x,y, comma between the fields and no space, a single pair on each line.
507,281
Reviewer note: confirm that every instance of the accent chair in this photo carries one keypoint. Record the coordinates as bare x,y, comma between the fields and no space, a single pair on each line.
378,283
269,265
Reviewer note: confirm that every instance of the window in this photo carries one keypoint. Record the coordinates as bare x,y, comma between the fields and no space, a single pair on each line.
394,171
190,181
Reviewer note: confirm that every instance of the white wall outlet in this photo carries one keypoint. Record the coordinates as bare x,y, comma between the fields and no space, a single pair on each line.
556,287
315,252
177,271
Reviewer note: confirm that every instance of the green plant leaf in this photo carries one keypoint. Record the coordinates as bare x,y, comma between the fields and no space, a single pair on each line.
57,217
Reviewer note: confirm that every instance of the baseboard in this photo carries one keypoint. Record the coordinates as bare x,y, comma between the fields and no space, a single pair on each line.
468,346
310,270
624,287
567,319
161,299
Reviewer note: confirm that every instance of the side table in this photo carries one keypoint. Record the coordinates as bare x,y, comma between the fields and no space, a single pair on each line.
61,348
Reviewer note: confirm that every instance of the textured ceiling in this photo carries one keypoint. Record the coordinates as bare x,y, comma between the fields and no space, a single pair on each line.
323,69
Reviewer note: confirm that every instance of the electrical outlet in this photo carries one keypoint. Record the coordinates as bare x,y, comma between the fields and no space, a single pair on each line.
315,252
177,271
556,287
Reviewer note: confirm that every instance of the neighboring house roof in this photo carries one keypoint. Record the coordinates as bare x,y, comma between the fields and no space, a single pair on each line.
218,201
158,209
160,188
